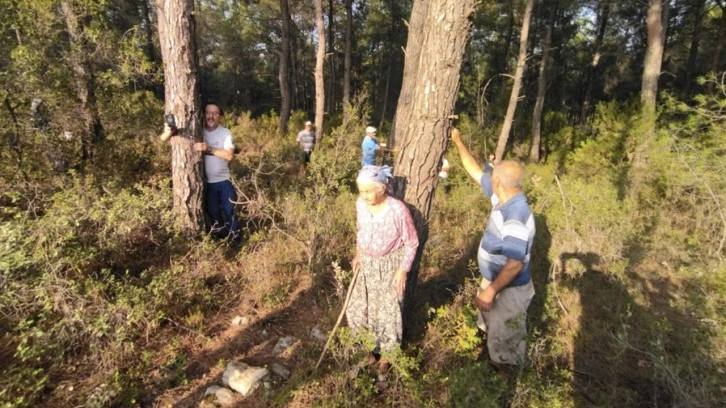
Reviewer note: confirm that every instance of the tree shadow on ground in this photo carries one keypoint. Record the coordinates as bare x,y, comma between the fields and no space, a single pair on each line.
629,347
540,266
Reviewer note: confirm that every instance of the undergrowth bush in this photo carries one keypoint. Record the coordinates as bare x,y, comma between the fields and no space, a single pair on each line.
88,276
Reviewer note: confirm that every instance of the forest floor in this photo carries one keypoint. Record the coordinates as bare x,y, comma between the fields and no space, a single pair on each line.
308,307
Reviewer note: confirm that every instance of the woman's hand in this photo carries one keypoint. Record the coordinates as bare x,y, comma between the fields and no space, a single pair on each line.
399,279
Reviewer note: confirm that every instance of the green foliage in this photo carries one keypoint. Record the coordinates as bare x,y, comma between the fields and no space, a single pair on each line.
84,278
469,388
454,327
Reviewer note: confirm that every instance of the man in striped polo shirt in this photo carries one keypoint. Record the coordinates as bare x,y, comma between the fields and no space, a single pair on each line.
506,288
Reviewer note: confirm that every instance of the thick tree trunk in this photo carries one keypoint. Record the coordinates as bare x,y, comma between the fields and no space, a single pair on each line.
410,71
348,51
518,74
284,75
542,88
178,50
591,74
83,78
431,82
653,57
319,78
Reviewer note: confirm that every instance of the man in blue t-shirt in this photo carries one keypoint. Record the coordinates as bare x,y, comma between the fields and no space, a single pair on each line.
370,145
506,289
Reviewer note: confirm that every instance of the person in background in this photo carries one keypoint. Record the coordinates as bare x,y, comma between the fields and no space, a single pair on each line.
489,164
385,249
504,257
306,140
369,146
218,150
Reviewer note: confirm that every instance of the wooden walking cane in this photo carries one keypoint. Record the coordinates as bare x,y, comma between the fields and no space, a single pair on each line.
342,312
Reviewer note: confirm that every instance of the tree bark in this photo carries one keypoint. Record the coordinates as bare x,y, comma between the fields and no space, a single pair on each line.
437,37
653,57
518,74
178,50
319,78
284,71
348,51
84,82
410,71
542,88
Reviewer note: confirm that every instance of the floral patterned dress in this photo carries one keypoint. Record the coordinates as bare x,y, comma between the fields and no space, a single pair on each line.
386,242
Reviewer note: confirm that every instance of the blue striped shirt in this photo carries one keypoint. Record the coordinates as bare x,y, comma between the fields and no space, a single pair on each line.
509,235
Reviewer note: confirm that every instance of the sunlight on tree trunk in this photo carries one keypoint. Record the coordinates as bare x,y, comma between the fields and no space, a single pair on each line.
319,79
518,74
653,57
410,69
178,50
436,42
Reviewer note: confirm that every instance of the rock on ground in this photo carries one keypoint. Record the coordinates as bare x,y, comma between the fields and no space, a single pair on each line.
222,395
242,377
283,344
280,370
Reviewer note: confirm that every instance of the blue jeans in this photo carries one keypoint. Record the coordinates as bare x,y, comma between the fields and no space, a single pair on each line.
220,207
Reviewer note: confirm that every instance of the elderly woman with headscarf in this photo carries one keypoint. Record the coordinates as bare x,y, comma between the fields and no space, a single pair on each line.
385,250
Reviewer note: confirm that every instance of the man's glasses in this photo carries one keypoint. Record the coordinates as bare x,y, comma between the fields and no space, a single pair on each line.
212,113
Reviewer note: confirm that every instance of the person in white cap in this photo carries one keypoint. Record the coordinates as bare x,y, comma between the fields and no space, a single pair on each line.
306,139
370,145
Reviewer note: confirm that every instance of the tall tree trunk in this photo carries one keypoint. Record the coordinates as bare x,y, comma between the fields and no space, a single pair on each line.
653,57
330,97
294,85
348,50
410,71
148,30
693,51
319,78
432,69
149,47
284,75
602,22
178,50
542,88
83,78
518,74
